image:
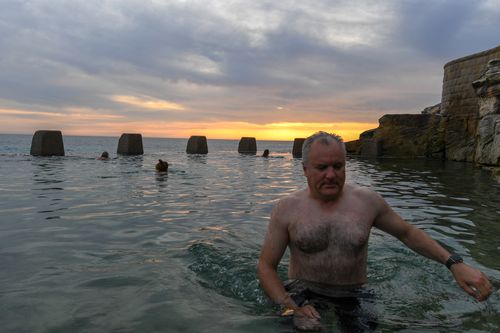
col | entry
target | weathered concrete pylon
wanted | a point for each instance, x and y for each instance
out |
(247, 145)
(47, 143)
(130, 144)
(197, 145)
(297, 147)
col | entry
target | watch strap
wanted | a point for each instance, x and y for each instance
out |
(453, 259)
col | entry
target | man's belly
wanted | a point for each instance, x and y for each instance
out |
(325, 270)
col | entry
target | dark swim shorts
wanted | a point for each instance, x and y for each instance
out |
(354, 306)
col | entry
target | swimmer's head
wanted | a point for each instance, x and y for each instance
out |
(162, 166)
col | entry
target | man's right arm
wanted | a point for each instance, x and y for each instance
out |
(470, 279)
(272, 251)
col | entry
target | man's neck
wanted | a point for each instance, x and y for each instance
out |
(326, 202)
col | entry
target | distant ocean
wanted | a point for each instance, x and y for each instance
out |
(112, 246)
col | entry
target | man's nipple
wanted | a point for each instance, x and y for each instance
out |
(314, 240)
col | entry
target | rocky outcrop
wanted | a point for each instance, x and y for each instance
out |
(460, 104)
(402, 135)
(465, 126)
(435, 109)
(353, 147)
(410, 135)
(370, 145)
(488, 133)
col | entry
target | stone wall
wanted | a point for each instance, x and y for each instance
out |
(487, 89)
(465, 126)
(460, 104)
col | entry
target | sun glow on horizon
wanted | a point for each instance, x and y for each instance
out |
(286, 131)
(85, 122)
(228, 130)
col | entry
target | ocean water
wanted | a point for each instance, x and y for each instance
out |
(112, 246)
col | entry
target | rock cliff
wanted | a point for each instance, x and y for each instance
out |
(465, 126)
(488, 133)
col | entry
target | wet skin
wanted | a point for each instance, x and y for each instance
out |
(327, 227)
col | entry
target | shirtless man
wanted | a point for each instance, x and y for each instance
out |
(327, 226)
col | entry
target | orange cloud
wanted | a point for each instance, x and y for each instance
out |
(147, 103)
(83, 121)
(14, 112)
(89, 114)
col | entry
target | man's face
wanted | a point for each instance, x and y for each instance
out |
(325, 170)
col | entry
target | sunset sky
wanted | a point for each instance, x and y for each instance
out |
(225, 69)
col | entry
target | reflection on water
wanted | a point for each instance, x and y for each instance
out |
(48, 181)
(89, 245)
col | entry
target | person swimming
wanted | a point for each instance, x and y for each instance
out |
(162, 166)
(104, 156)
(266, 153)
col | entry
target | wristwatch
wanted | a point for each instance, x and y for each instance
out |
(453, 259)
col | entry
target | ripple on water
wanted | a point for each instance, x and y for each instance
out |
(88, 245)
(230, 273)
(115, 282)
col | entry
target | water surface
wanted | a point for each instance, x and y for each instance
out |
(101, 246)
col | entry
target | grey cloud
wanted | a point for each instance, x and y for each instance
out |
(435, 28)
(75, 53)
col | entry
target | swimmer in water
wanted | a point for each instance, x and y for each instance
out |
(266, 153)
(104, 156)
(161, 166)
(326, 227)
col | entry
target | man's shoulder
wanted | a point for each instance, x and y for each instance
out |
(292, 200)
(365, 197)
(361, 192)
(286, 208)
(294, 196)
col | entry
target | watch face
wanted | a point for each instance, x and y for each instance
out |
(454, 259)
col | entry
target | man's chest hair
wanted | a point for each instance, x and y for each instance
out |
(337, 231)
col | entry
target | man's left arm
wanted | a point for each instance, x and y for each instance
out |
(472, 280)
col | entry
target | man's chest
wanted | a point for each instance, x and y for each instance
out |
(341, 230)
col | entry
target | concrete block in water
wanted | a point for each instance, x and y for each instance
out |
(297, 147)
(47, 143)
(247, 146)
(197, 145)
(130, 144)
